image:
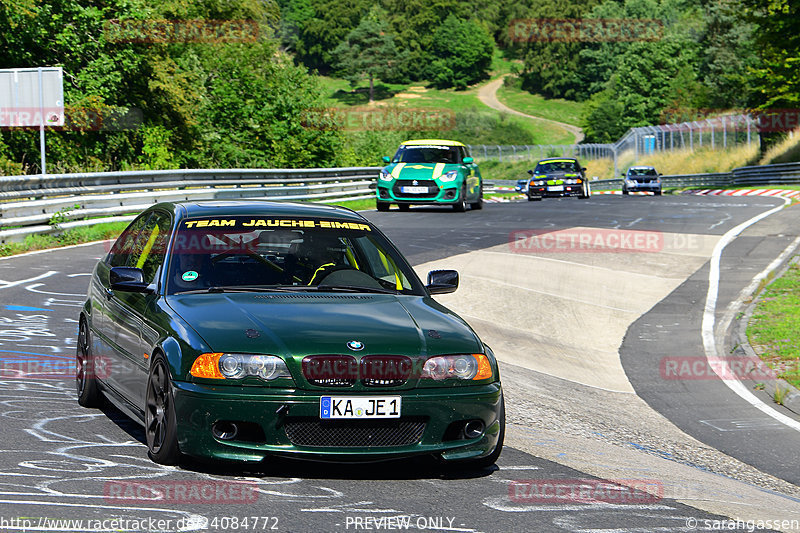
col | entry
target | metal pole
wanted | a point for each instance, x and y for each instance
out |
(41, 121)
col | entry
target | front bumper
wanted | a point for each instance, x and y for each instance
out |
(553, 191)
(444, 195)
(643, 187)
(267, 413)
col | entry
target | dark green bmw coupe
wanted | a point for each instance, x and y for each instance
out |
(243, 329)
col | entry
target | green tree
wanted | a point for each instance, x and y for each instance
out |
(321, 25)
(463, 50)
(368, 51)
(729, 55)
(552, 68)
(776, 78)
(642, 87)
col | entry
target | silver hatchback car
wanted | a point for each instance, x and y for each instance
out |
(641, 179)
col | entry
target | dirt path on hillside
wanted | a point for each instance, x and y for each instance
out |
(488, 95)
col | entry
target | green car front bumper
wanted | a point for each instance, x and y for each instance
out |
(436, 193)
(287, 422)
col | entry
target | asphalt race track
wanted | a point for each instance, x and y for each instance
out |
(695, 453)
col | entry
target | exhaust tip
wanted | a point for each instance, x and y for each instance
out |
(473, 429)
(225, 430)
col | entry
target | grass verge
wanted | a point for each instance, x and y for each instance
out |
(774, 329)
(512, 95)
(97, 232)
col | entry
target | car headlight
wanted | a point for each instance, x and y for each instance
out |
(630, 182)
(467, 366)
(449, 176)
(237, 366)
(570, 182)
(385, 176)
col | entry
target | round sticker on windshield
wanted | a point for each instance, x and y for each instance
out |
(190, 275)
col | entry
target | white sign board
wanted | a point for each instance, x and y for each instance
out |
(31, 97)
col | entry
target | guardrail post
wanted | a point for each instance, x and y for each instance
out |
(500, 153)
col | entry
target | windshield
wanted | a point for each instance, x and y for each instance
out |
(642, 172)
(252, 253)
(557, 166)
(427, 154)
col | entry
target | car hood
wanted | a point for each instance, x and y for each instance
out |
(420, 171)
(300, 324)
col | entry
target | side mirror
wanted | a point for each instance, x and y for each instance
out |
(530, 172)
(583, 169)
(467, 160)
(128, 279)
(442, 281)
(387, 159)
(622, 175)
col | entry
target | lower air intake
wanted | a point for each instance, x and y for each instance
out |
(354, 433)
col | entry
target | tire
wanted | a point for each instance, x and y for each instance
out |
(160, 426)
(461, 205)
(404, 207)
(479, 204)
(382, 206)
(587, 194)
(625, 192)
(657, 193)
(85, 375)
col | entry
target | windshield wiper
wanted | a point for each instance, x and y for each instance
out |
(218, 289)
(355, 288)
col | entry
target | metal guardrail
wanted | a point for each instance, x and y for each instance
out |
(53, 203)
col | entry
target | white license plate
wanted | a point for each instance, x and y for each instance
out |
(359, 407)
(555, 188)
(413, 190)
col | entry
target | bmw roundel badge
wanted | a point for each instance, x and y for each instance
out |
(356, 346)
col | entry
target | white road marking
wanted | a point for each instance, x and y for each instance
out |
(7, 284)
(34, 287)
(709, 318)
